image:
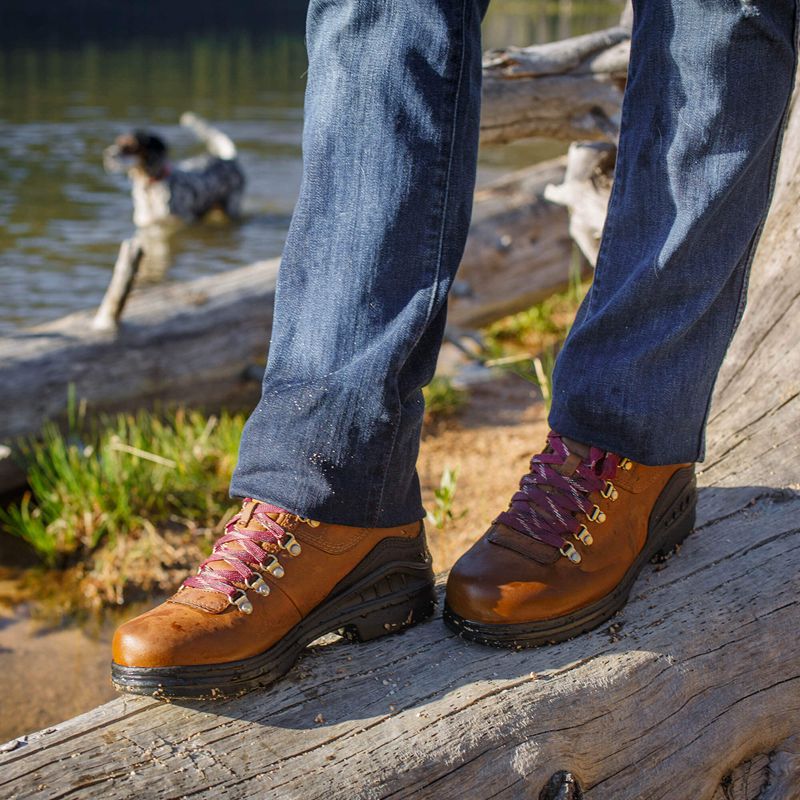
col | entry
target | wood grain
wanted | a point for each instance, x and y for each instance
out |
(568, 90)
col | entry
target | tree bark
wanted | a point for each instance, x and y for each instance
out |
(693, 692)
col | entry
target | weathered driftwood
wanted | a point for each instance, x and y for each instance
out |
(518, 250)
(571, 90)
(119, 289)
(186, 342)
(692, 694)
(585, 193)
(566, 90)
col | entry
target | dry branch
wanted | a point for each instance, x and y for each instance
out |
(564, 90)
(122, 278)
(585, 193)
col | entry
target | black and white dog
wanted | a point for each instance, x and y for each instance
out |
(187, 191)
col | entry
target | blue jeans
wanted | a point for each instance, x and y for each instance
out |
(390, 150)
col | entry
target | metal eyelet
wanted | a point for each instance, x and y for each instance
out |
(291, 545)
(241, 601)
(571, 553)
(596, 515)
(274, 567)
(256, 582)
(312, 523)
(609, 492)
(583, 535)
(626, 464)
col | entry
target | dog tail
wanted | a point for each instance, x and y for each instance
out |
(218, 143)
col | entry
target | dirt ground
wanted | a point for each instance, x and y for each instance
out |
(490, 444)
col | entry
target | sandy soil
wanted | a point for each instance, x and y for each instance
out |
(48, 674)
(490, 444)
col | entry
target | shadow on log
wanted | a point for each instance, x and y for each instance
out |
(692, 694)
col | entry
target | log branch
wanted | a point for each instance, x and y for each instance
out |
(565, 90)
(585, 193)
(119, 289)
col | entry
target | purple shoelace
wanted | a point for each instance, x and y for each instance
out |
(246, 558)
(547, 503)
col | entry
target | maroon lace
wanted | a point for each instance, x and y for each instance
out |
(243, 561)
(547, 503)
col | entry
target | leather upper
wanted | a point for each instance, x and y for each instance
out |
(508, 577)
(201, 627)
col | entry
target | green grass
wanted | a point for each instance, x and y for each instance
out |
(527, 343)
(443, 498)
(442, 399)
(120, 476)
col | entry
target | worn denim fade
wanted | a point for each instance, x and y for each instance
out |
(705, 106)
(389, 158)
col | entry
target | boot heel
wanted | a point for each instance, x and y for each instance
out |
(394, 612)
(678, 521)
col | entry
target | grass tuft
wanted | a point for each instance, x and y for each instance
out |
(125, 501)
(443, 498)
(92, 485)
(443, 399)
(528, 343)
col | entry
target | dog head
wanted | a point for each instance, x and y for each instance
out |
(137, 153)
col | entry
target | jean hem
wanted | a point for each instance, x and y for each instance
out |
(626, 449)
(321, 512)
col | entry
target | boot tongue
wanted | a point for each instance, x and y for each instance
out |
(248, 510)
(576, 447)
(578, 453)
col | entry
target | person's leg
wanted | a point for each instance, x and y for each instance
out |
(704, 111)
(708, 91)
(390, 152)
(329, 536)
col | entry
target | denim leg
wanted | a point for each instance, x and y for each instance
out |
(389, 158)
(708, 90)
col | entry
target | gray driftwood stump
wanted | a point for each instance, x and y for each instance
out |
(692, 694)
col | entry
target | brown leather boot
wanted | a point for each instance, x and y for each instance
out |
(564, 556)
(273, 583)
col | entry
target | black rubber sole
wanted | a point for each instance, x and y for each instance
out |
(387, 600)
(671, 521)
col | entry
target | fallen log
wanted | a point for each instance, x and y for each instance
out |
(518, 250)
(184, 343)
(569, 90)
(691, 695)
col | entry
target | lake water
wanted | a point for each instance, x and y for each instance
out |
(65, 94)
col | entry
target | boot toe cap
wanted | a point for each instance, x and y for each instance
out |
(472, 593)
(138, 643)
(493, 585)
